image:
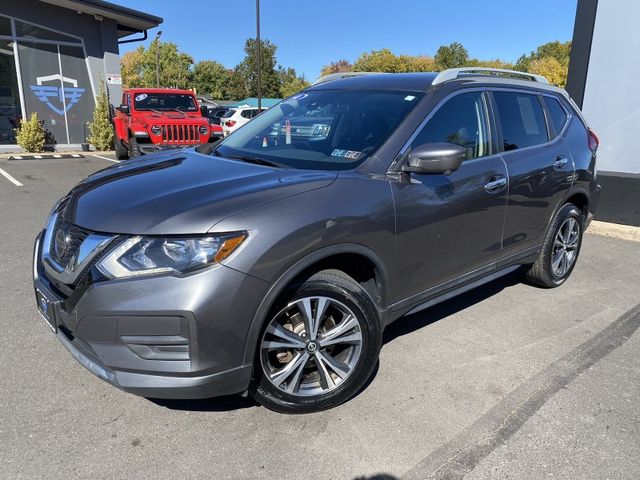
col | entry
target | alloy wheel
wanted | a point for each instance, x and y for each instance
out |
(311, 346)
(565, 247)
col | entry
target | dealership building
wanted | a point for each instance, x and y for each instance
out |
(53, 54)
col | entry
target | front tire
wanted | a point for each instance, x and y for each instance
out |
(134, 148)
(560, 249)
(318, 347)
(122, 153)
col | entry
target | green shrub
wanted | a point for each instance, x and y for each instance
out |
(31, 134)
(100, 128)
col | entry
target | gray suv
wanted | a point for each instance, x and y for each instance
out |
(271, 262)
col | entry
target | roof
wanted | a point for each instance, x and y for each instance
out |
(157, 90)
(253, 102)
(129, 20)
(416, 82)
(423, 81)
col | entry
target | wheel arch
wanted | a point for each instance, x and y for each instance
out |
(353, 259)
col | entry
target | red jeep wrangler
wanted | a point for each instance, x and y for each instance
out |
(152, 119)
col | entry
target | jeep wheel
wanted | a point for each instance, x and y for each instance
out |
(560, 250)
(134, 148)
(122, 153)
(318, 347)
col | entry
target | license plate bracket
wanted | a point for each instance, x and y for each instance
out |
(47, 310)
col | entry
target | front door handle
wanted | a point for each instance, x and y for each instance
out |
(560, 162)
(495, 184)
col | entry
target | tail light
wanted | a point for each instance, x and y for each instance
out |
(230, 123)
(594, 141)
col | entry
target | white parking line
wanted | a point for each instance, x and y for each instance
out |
(10, 178)
(105, 158)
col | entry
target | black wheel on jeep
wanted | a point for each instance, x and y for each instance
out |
(319, 345)
(134, 148)
(560, 249)
(122, 152)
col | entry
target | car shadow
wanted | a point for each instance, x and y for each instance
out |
(411, 323)
(217, 404)
(404, 326)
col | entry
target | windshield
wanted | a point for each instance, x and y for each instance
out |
(229, 113)
(165, 102)
(327, 129)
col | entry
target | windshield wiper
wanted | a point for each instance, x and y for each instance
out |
(248, 159)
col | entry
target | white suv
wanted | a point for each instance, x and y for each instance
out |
(236, 117)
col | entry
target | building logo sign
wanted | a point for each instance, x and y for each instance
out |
(59, 98)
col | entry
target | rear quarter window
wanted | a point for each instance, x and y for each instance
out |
(521, 119)
(558, 114)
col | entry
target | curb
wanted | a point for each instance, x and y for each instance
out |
(45, 156)
(614, 230)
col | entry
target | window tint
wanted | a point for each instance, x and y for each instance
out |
(247, 113)
(557, 113)
(229, 113)
(521, 119)
(461, 121)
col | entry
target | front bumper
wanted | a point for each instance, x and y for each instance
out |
(110, 326)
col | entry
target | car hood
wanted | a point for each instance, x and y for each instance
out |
(169, 117)
(179, 192)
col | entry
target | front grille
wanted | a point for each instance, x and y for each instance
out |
(180, 134)
(65, 242)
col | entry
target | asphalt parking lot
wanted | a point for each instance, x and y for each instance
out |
(506, 381)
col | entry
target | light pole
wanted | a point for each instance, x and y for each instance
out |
(158, 58)
(258, 45)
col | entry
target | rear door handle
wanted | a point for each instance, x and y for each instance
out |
(560, 162)
(495, 184)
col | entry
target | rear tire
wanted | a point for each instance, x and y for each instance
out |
(122, 153)
(560, 250)
(298, 371)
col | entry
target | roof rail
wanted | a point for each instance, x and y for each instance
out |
(453, 73)
(338, 76)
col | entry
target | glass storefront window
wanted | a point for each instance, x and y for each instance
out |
(5, 26)
(9, 93)
(26, 30)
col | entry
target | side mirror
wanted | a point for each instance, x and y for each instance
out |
(433, 158)
(204, 110)
(124, 109)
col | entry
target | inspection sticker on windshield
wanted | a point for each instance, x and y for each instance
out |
(141, 97)
(409, 98)
(351, 154)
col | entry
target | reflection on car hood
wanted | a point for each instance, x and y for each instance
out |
(179, 192)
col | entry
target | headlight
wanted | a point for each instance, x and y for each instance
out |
(156, 130)
(149, 255)
(204, 130)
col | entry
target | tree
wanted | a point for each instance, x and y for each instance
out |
(421, 63)
(100, 127)
(30, 135)
(558, 50)
(139, 66)
(290, 82)
(451, 56)
(340, 66)
(248, 69)
(377, 61)
(497, 63)
(550, 68)
(210, 78)
(131, 68)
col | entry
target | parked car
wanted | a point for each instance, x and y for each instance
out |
(216, 113)
(153, 119)
(273, 265)
(235, 117)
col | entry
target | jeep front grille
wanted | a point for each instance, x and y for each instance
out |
(180, 134)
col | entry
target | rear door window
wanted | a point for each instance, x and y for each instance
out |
(246, 113)
(557, 113)
(522, 120)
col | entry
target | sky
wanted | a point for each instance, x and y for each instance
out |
(311, 34)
